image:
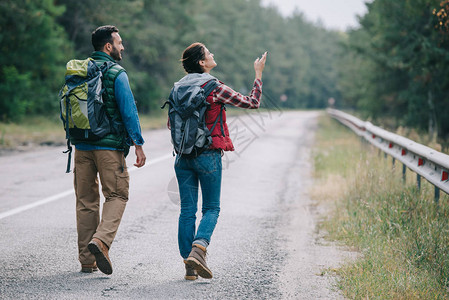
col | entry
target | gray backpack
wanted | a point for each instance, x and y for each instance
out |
(187, 109)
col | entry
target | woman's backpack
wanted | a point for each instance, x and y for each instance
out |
(187, 109)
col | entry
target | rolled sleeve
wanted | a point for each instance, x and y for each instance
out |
(128, 109)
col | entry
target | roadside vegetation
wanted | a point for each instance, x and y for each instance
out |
(402, 235)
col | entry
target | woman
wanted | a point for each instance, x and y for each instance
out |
(206, 168)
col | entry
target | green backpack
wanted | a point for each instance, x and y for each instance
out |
(83, 111)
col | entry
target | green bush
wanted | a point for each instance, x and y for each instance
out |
(16, 88)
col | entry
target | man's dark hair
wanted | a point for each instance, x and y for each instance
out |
(103, 35)
(191, 57)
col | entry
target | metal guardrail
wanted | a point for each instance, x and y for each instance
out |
(424, 161)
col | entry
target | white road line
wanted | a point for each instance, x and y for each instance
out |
(35, 204)
(152, 162)
(69, 192)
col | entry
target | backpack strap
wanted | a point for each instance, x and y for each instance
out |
(210, 86)
(69, 147)
(220, 117)
(69, 151)
(106, 66)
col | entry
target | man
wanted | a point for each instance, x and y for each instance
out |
(106, 157)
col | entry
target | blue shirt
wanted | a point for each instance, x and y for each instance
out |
(128, 111)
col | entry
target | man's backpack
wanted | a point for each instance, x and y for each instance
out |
(83, 111)
(187, 110)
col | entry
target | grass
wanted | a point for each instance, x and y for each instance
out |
(401, 234)
(31, 131)
(39, 130)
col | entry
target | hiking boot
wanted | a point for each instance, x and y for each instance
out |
(89, 268)
(100, 250)
(191, 273)
(197, 260)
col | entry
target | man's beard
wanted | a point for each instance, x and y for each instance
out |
(115, 54)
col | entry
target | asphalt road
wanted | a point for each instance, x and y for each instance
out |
(266, 244)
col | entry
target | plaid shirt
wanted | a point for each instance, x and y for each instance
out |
(224, 94)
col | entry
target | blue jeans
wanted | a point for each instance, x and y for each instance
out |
(205, 170)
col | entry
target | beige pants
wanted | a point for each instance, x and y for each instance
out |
(111, 167)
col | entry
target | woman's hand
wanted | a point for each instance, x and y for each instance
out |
(259, 65)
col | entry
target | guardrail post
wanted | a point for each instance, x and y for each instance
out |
(437, 194)
(404, 169)
(418, 182)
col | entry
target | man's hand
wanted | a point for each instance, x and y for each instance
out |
(259, 65)
(140, 160)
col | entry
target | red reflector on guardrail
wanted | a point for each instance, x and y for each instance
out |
(420, 162)
(444, 176)
(404, 152)
(374, 136)
(390, 145)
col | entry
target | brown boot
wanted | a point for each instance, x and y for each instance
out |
(100, 250)
(191, 273)
(89, 268)
(197, 260)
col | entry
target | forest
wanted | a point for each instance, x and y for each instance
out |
(394, 65)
